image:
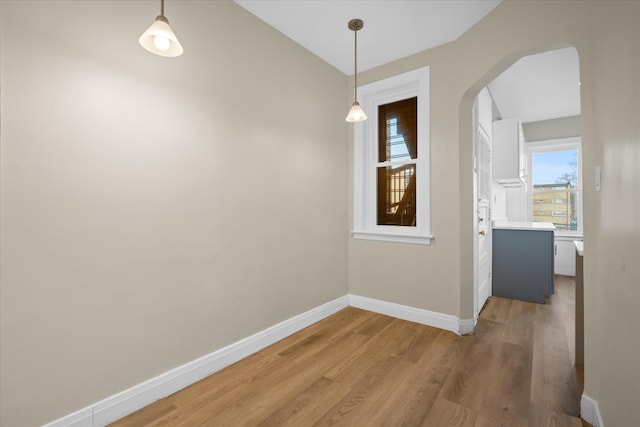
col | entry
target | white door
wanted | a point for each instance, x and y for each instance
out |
(483, 218)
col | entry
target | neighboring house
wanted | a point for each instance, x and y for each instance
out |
(155, 210)
(555, 205)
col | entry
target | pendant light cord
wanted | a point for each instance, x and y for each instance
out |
(355, 25)
(355, 66)
(162, 7)
(356, 114)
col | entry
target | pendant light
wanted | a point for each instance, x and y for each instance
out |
(355, 114)
(159, 38)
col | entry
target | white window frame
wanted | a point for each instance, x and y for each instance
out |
(396, 88)
(572, 143)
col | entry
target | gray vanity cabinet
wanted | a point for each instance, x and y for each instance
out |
(523, 264)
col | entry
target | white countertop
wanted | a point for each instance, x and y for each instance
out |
(517, 225)
(579, 247)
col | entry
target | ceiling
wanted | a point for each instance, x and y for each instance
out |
(392, 29)
(537, 87)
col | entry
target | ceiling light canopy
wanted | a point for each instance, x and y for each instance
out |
(159, 38)
(356, 114)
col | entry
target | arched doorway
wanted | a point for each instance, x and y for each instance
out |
(541, 92)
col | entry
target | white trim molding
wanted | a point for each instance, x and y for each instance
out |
(590, 412)
(466, 326)
(403, 86)
(141, 395)
(128, 401)
(392, 237)
(412, 314)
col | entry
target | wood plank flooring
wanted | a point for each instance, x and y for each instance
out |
(358, 368)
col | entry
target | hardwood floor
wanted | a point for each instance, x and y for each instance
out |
(357, 368)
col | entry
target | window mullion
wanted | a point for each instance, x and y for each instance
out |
(397, 163)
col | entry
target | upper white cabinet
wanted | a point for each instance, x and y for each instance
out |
(508, 153)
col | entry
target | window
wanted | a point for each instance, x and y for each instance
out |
(391, 159)
(556, 183)
(397, 154)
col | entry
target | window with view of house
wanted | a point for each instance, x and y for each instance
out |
(555, 184)
(391, 160)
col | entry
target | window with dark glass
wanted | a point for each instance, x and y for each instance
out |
(397, 161)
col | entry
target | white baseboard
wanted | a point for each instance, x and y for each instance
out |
(466, 326)
(141, 395)
(137, 397)
(412, 314)
(81, 418)
(590, 412)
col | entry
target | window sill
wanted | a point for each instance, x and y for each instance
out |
(575, 236)
(391, 237)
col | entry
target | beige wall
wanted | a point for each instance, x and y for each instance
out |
(612, 253)
(129, 246)
(155, 210)
(440, 277)
(417, 275)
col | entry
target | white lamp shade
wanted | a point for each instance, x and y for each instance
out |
(356, 114)
(159, 39)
